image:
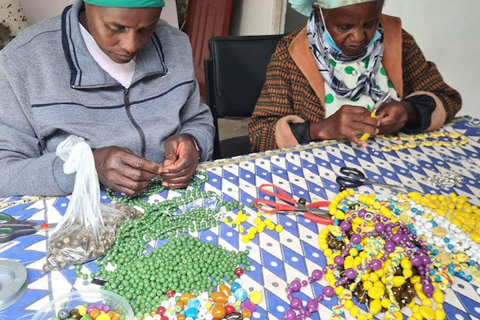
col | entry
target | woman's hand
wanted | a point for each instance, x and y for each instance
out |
(181, 160)
(344, 124)
(121, 170)
(394, 115)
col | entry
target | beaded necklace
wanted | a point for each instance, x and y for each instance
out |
(433, 139)
(372, 256)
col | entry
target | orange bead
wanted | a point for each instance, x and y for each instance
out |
(225, 290)
(94, 314)
(246, 314)
(113, 315)
(185, 297)
(180, 316)
(218, 311)
(219, 297)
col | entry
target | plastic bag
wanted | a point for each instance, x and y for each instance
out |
(88, 227)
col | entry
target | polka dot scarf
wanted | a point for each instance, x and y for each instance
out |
(322, 51)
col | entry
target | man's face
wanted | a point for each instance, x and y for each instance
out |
(121, 32)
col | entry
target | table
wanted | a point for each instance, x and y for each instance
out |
(277, 258)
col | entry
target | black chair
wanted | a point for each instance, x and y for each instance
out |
(234, 76)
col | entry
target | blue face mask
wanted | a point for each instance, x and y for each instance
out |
(327, 38)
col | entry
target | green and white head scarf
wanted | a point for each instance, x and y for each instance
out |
(128, 3)
(305, 6)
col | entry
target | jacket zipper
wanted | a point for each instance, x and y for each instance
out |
(135, 124)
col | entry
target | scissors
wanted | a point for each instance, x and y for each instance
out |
(11, 228)
(382, 100)
(354, 178)
(310, 211)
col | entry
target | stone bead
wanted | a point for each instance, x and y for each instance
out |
(63, 314)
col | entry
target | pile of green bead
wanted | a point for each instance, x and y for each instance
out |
(183, 264)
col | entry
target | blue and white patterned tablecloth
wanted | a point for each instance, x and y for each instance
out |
(277, 258)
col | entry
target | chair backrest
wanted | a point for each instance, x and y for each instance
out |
(235, 73)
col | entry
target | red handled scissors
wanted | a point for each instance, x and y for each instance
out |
(310, 211)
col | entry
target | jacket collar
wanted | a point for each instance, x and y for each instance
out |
(85, 71)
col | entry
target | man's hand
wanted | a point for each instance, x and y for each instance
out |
(121, 170)
(394, 115)
(344, 124)
(181, 160)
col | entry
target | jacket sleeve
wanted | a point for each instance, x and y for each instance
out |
(275, 102)
(197, 120)
(23, 167)
(421, 77)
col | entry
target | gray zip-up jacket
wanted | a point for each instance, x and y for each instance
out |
(51, 87)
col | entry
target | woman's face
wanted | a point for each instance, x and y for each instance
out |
(353, 27)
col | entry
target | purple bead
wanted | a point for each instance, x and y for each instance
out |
(310, 280)
(289, 296)
(338, 260)
(106, 309)
(356, 239)
(295, 285)
(328, 291)
(289, 290)
(345, 226)
(290, 315)
(376, 264)
(383, 258)
(296, 303)
(428, 289)
(312, 305)
(248, 305)
(396, 238)
(320, 297)
(349, 246)
(304, 283)
(350, 273)
(90, 308)
(317, 274)
(426, 260)
(362, 213)
(344, 280)
(389, 246)
(416, 261)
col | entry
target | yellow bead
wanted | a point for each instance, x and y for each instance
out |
(362, 317)
(374, 277)
(427, 303)
(375, 306)
(440, 314)
(376, 292)
(279, 228)
(386, 303)
(354, 312)
(438, 296)
(427, 313)
(327, 253)
(417, 316)
(245, 239)
(340, 215)
(351, 192)
(348, 304)
(398, 315)
(415, 279)
(82, 310)
(255, 297)
(407, 273)
(398, 281)
(338, 290)
(103, 316)
(353, 252)
(367, 285)
(406, 264)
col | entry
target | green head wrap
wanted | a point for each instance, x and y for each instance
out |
(305, 6)
(128, 3)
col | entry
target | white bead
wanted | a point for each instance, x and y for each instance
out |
(148, 318)
(231, 299)
(157, 317)
(165, 304)
(209, 316)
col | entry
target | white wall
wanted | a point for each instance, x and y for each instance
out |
(39, 10)
(448, 33)
(254, 17)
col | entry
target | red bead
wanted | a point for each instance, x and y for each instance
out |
(229, 309)
(238, 271)
(170, 293)
(164, 318)
(161, 311)
(44, 226)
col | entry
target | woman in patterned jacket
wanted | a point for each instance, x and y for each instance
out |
(323, 79)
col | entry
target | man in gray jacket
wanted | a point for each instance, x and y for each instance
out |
(108, 71)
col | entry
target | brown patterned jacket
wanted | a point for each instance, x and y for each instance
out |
(294, 88)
